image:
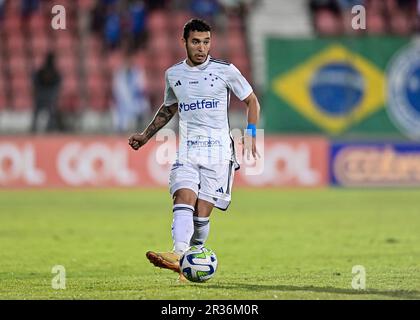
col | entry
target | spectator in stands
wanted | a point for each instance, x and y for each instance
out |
(2, 2)
(112, 27)
(28, 7)
(132, 105)
(326, 17)
(158, 4)
(98, 14)
(206, 9)
(137, 25)
(46, 87)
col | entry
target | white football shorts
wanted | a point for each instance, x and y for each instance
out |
(211, 182)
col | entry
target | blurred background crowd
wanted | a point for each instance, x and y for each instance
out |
(105, 72)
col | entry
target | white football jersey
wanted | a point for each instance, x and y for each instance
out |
(203, 93)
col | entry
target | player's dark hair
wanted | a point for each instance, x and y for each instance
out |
(195, 25)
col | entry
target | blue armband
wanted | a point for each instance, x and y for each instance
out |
(251, 129)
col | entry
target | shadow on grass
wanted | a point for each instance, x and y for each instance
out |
(401, 294)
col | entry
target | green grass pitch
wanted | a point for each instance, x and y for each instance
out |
(271, 244)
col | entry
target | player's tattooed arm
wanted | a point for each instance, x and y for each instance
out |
(161, 118)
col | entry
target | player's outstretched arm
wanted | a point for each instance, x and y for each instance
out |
(253, 118)
(161, 118)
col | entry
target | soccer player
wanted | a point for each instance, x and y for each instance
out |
(199, 88)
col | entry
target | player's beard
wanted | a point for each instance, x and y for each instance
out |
(190, 57)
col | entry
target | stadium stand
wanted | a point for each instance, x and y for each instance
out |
(85, 62)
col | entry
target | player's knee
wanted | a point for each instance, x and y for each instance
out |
(203, 208)
(185, 196)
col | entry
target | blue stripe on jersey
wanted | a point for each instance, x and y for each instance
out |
(177, 63)
(220, 61)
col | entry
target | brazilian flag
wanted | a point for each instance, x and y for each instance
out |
(334, 86)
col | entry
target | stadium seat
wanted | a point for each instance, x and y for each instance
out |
(98, 101)
(162, 62)
(240, 61)
(15, 43)
(400, 24)
(235, 42)
(12, 7)
(20, 82)
(96, 82)
(375, 24)
(22, 102)
(17, 64)
(157, 22)
(40, 44)
(37, 23)
(234, 23)
(64, 42)
(141, 59)
(178, 20)
(3, 92)
(69, 100)
(67, 64)
(93, 63)
(11, 23)
(3, 100)
(94, 44)
(113, 61)
(160, 42)
(327, 23)
(85, 4)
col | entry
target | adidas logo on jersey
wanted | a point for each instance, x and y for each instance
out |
(203, 104)
(178, 83)
(220, 190)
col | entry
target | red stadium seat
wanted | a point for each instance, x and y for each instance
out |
(20, 83)
(157, 22)
(98, 101)
(234, 23)
(163, 62)
(40, 44)
(67, 63)
(160, 43)
(235, 42)
(94, 63)
(375, 24)
(96, 82)
(12, 23)
(94, 44)
(3, 93)
(3, 100)
(13, 7)
(327, 23)
(64, 41)
(17, 64)
(141, 59)
(114, 60)
(69, 100)
(178, 20)
(22, 102)
(15, 43)
(37, 23)
(86, 4)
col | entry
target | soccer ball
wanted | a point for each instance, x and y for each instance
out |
(198, 264)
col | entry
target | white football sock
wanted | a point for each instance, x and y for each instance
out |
(201, 230)
(182, 227)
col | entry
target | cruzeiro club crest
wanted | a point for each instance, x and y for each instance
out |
(404, 91)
